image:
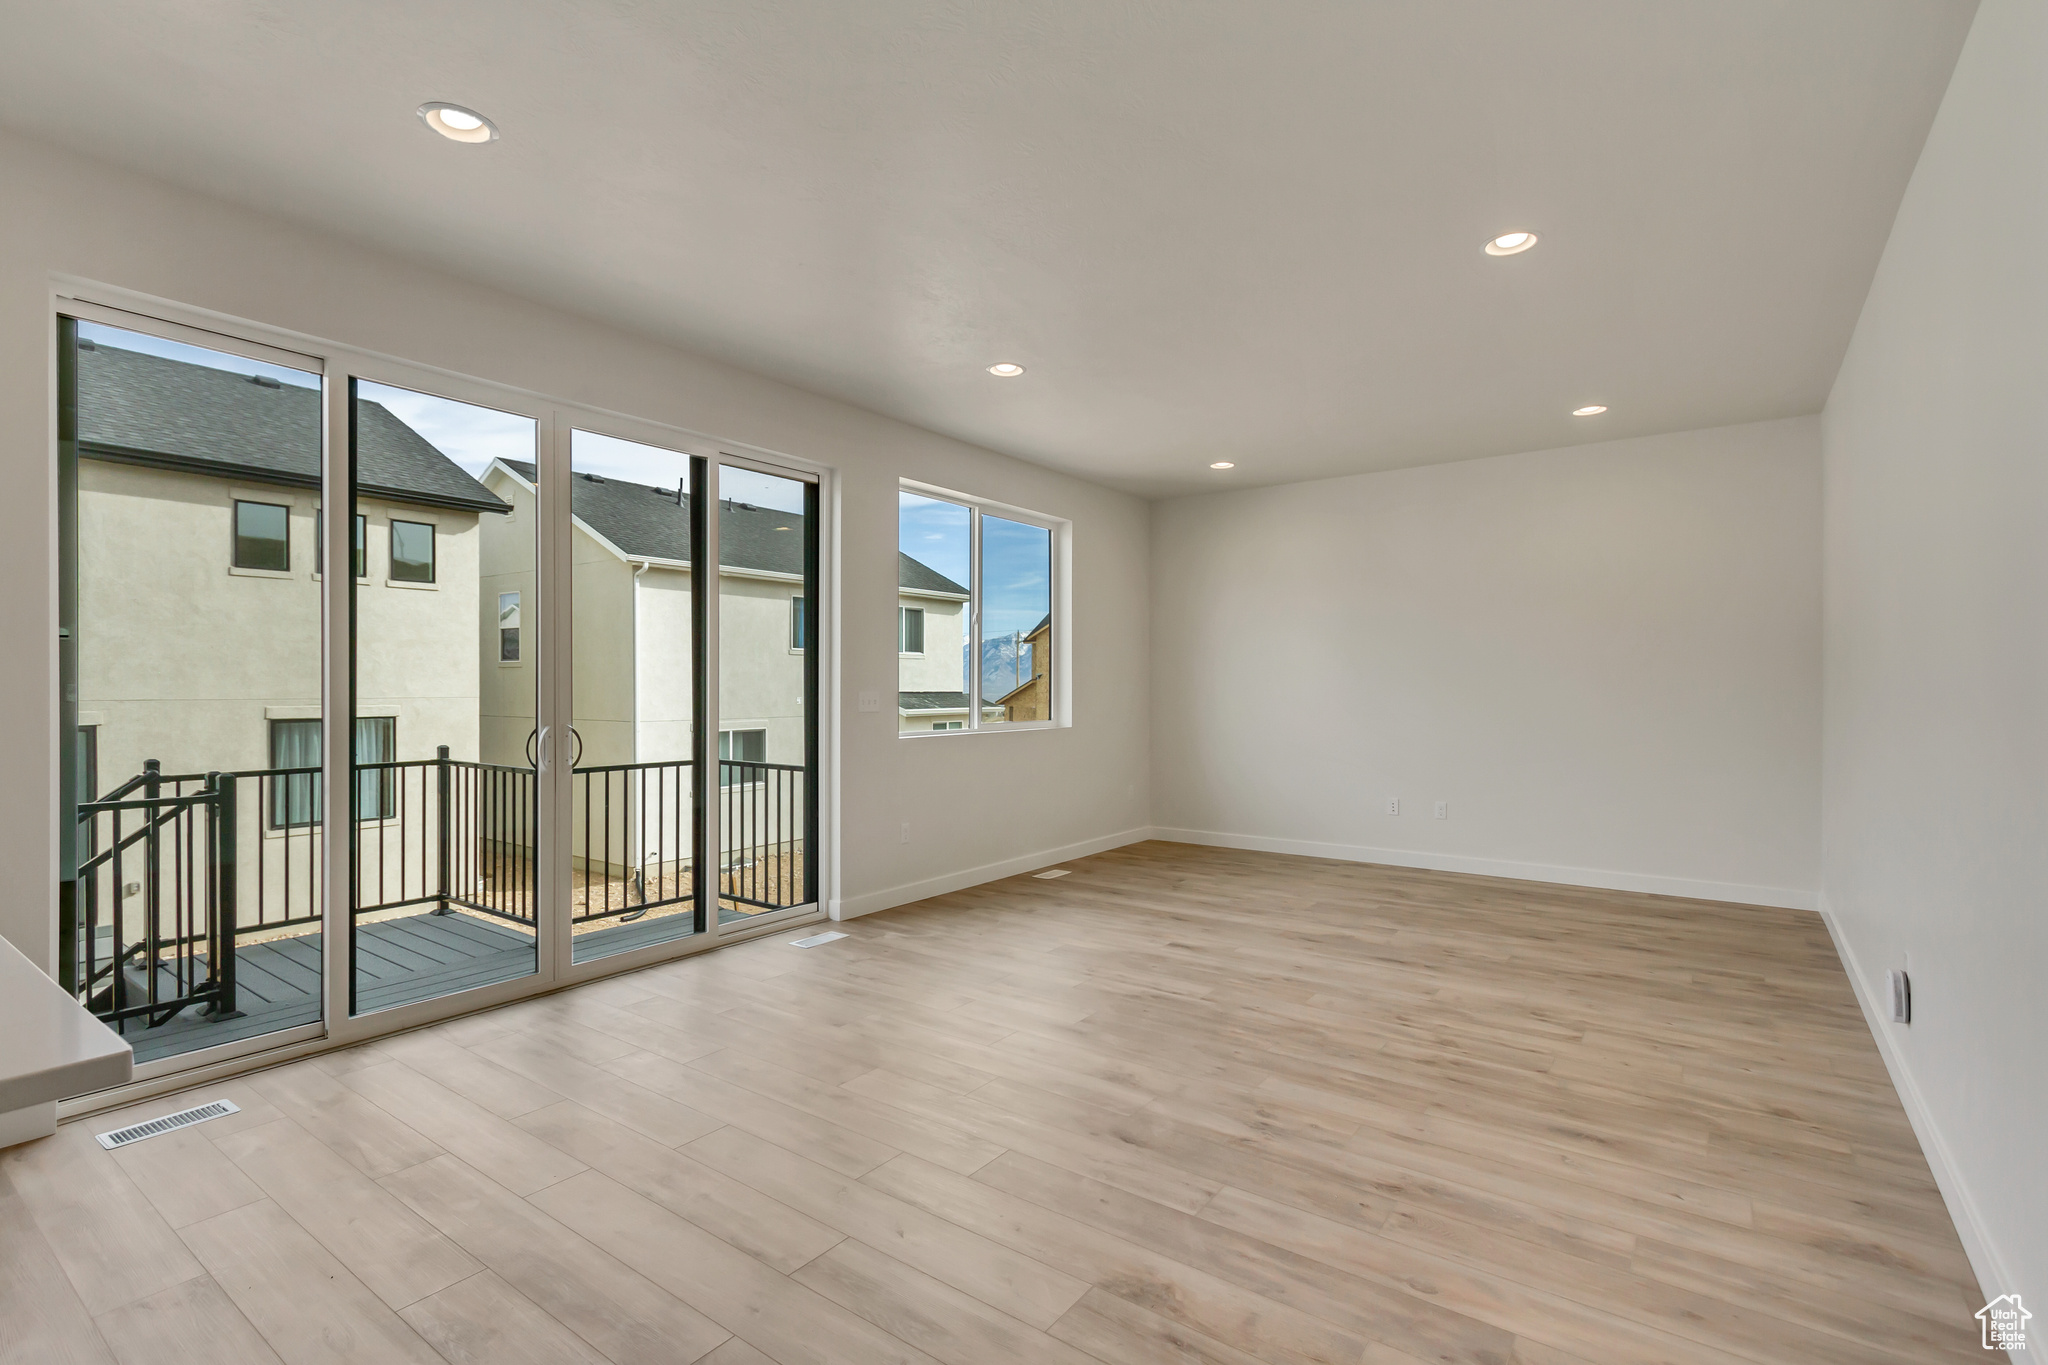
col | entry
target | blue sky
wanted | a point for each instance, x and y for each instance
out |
(466, 433)
(1016, 576)
(1016, 588)
(934, 534)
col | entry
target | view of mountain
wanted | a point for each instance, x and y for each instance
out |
(1005, 665)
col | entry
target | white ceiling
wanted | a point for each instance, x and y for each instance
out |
(1212, 229)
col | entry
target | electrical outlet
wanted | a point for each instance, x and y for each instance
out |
(1393, 805)
(1443, 810)
(906, 832)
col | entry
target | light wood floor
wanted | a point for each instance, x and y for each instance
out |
(1185, 1105)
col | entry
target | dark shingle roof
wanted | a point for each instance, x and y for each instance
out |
(931, 701)
(151, 409)
(646, 521)
(915, 574)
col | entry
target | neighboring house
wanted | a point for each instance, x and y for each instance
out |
(931, 637)
(199, 607)
(1032, 699)
(632, 612)
(631, 560)
(199, 610)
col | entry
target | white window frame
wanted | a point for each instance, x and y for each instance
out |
(901, 612)
(1061, 595)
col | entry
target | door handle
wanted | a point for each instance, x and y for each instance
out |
(537, 750)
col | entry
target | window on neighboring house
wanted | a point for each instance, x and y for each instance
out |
(984, 631)
(263, 536)
(359, 562)
(796, 623)
(295, 785)
(508, 627)
(294, 791)
(412, 551)
(736, 747)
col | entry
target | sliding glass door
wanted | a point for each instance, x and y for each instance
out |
(635, 815)
(189, 901)
(444, 809)
(388, 695)
(767, 692)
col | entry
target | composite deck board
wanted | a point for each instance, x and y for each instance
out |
(617, 938)
(1184, 1105)
(398, 962)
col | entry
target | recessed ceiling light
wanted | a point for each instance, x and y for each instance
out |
(1006, 370)
(456, 123)
(1508, 243)
(1590, 410)
(1223, 464)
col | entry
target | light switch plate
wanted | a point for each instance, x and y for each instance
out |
(871, 701)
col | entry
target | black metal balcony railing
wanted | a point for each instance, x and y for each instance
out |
(766, 804)
(632, 841)
(207, 869)
(163, 929)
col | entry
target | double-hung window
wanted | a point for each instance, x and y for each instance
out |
(978, 625)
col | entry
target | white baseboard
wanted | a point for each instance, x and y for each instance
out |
(1992, 1275)
(891, 897)
(1779, 897)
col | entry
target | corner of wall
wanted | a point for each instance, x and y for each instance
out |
(1984, 1255)
(853, 907)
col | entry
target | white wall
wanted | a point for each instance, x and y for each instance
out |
(976, 806)
(1605, 658)
(1936, 750)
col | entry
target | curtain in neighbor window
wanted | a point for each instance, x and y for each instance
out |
(376, 789)
(295, 791)
(295, 796)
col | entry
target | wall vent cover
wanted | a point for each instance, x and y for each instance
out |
(169, 1123)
